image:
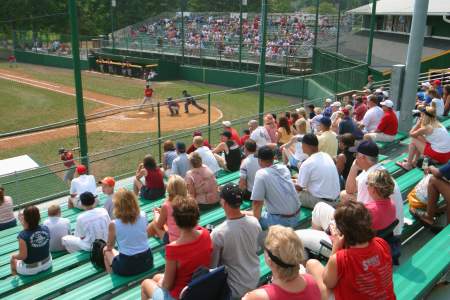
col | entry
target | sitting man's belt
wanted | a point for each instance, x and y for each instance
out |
(37, 264)
(289, 216)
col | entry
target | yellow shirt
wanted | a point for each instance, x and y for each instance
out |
(328, 143)
(284, 136)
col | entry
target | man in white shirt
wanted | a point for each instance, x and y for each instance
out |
(259, 134)
(180, 165)
(318, 178)
(208, 158)
(356, 185)
(249, 167)
(91, 225)
(57, 226)
(274, 188)
(235, 243)
(335, 107)
(373, 115)
(83, 183)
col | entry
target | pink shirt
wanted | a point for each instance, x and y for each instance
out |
(202, 185)
(311, 291)
(172, 228)
(6, 210)
(382, 212)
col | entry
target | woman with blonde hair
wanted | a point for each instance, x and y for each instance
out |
(292, 151)
(129, 230)
(283, 253)
(304, 116)
(163, 224)
(429, 138)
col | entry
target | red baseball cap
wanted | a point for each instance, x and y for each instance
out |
(81, 169)
(108, 181)
(437, 82)
(345, 111)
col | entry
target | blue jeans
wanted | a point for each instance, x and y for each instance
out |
(268, 220)
(7, 225)
(161, 294)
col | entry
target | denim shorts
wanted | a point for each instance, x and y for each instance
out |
(7, 225)
(152, 194)
(125, 265)
(268, 220)
(161, 294)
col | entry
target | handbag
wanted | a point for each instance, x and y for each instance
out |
(97, 253)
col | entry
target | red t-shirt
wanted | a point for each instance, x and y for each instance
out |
(67, 159)
(365, 273)
(388, 123)
(192, 148)
(235, 136)
(382, 212)
(189, 257)
(244, 138)
(148, 92)
(154, 179)
(311, 291)
(360, 111)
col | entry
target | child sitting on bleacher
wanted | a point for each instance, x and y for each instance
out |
(57, 226)
(108, 184)
(7, 219)
(34, 241)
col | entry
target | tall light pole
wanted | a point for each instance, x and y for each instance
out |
(373, 19)
(113, 7)
(262, 60)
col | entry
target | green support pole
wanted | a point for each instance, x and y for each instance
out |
(209, 116)
(338, 26)
(373, 19)
(240, 35)
(262, 60)
(113, 5)
(316, 23)
(182, 31)
(159, 131)
(78, 85)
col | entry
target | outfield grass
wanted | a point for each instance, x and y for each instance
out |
(25, 106)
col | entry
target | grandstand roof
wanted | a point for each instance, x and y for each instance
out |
(403, 7)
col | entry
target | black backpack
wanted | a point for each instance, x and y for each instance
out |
(97, 253)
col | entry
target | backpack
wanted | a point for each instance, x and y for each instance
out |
(97, 253)
(207, 284)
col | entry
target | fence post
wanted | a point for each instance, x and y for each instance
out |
(338, 27)
(240, 35)
(262, 60)
(316, 23)
(373, 19)
(159, 131)
(303, 90)
(209, 116)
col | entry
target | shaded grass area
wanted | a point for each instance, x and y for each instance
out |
(25, 106)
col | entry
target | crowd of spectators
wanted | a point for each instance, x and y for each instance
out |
(322, 158)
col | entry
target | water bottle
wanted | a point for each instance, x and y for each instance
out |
(425, 162)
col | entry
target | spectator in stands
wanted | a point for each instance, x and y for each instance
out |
(91, 225)
(439, 184)
(366, 161)
(234, 134)
(360, 266)
(67, 158)
(327, 110)
(284, 254)
(260, 134)
(244, 137)
(315, 121)
(347, 125)
(154, 187)
(429, 138)
(108, 184)
(236, 243)
(446, 98)
(388, 126)
(7, 219)
(312, 111)
(335, 108)
(248, 169)
(34, 242)
(303, 115)
(83, 183)
(328, 142)
(438, 87)
(284, 133)
(201, 182)
(163, 225)
(189, 252)
(208, 158)
(437, 102)
(270, 123)
(231, 150)
(129, 230)
(360, 109)
(318, 179)
(370, 83)
(168, 156)
(274, 188)
(57, 226)
(192, 147)
(292, 151)
(180, 165)
(373, 115)
(345, 158)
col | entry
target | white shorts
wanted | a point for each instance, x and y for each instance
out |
(380, 137)
(22, 268)
(73, 244)
(147, 99)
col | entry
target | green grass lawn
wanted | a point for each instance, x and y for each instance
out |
(25, 106)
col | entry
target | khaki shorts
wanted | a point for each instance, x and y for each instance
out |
(380, 137)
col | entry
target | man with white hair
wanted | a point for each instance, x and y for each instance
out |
(327, 110)
(335, 107)
(373, 115)
(234, 134)
(388, 126)
(260, 134)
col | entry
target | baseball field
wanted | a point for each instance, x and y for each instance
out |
(35, 96)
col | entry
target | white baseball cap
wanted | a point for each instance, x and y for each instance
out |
(226, 123)
(385, 94)
(425, 84)
(378, 91)
(336, 104)
(328, 100)
(387, 103)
